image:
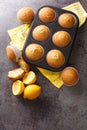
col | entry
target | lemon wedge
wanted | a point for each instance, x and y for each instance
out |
(32, 91)
(29, 78)
(18, 87)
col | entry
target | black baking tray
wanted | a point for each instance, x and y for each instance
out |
(54, 27)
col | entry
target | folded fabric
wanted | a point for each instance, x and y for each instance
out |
(53, 77)
(18, 35)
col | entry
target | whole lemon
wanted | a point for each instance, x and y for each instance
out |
(32, 91)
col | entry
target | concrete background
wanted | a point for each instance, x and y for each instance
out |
(55, 109)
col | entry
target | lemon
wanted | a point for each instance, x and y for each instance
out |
(18, 87)
(32, 91)
(29, 78)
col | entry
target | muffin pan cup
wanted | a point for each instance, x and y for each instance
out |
(48, 44)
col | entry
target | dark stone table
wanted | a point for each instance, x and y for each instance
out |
(55, 109)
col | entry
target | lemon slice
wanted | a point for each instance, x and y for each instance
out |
(18, 87)
(32, 91)
(29, 78)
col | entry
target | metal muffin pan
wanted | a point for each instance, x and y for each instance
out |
(48, 44)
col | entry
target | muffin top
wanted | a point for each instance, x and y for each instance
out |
(25, 15)
(66, 20)
(34, 52)
(55, 58)
(41, 33)
(61, 38)
(70, 76)
(47, 14)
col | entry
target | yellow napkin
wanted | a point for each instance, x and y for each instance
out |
(18, 36)
(53, 77)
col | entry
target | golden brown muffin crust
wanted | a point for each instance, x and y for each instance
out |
(25, 15)
(10, 54)
(61, 38)
(55, 58)
(66, 20)
(41, 33)
(70, 76)
(47, 14)
(34, 52)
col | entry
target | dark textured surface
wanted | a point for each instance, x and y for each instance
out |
(63, 109)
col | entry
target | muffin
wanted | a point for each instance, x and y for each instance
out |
(66, 20)
(61, 38)
(25, 15)
(41, 33)
(34, 52)
(55, 58)
(24, 65)
(47, 14)
(70, 76)
(13, 53)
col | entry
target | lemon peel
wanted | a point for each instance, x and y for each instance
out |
(32, 91)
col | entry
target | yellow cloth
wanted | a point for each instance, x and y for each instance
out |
(18, 36)
(53, 77)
